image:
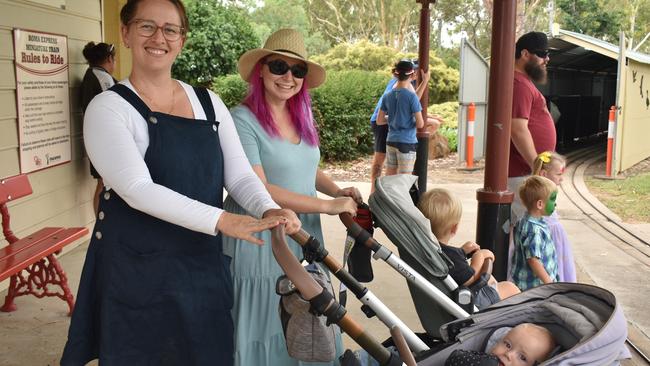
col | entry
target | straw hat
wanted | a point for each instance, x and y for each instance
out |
(285, 42)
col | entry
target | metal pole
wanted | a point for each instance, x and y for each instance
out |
(494, 199)
(422, 154)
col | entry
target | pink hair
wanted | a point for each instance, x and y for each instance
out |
(299, 109)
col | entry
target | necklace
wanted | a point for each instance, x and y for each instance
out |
(150, 101)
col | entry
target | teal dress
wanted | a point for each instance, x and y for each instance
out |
(258, 332)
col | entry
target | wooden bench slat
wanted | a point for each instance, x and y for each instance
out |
(29, 240)
(31, 254)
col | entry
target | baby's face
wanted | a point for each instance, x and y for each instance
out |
(520, 347)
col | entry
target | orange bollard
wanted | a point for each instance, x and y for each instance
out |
(610, 140)
(471, 112)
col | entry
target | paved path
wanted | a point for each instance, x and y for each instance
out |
(36, 333)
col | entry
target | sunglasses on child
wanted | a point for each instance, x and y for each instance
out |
(280, 67)
(540, 53)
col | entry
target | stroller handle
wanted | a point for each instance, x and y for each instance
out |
(309, 289)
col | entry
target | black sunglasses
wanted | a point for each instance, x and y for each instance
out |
(280, 67)
(540, 53)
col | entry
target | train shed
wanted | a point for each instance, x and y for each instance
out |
(586, 76)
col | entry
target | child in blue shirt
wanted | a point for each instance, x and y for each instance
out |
(404, 117)
(534, 261)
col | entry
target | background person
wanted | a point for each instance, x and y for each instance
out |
(533, 130)
(401, 111)
(551, 165)
(276, 128)
(155, 287)
(101, 64)
(381, 132)
(534, 261)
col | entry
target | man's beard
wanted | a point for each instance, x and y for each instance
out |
(536, 72)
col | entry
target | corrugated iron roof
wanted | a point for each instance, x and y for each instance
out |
(606, 48)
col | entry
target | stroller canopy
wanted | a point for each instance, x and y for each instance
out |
(392, 206)
(585, 321)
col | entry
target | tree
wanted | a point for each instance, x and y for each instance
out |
(637, 24)
(218, 35)
(277, 14)
(393, 23)
(597, 18)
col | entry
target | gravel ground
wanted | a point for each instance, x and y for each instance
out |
(442, 170)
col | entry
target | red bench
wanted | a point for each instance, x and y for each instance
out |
(31, 261)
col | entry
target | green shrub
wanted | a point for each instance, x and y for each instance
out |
(363, 55)
(448, 111)
(231, 88)
(451, 134)
(342, 109)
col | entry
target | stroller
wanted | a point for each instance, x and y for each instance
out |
(588, 324)
(586, 320)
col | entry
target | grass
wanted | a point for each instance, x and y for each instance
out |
(629, 198)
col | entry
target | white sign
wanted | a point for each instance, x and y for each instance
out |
(43, 99)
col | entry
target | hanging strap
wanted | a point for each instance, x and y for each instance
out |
(137, 103)
(133, 99)
(347, 248)
(206, 103)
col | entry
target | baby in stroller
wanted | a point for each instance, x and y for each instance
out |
(444, 211)
(527, 344)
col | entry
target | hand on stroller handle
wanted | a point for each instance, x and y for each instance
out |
(310, 289)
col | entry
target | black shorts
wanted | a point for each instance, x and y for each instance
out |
(381, 133)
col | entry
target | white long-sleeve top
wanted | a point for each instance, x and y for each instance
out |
(116, 138)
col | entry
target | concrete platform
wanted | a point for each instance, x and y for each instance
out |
(36, 332)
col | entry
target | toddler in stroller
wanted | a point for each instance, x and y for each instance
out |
(444, 211)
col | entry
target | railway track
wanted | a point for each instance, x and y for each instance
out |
(576, 191)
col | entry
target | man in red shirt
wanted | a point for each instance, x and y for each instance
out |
(532, 130)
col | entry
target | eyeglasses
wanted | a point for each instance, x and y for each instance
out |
(147, 28)
(540, 53)
(111, 49)
(280, 67)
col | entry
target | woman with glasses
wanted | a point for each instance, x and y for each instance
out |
(156, 287)
(276, 128)
(101, 64)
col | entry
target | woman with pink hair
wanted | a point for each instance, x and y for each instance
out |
(277, 130)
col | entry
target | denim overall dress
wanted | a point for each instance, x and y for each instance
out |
(152, 292)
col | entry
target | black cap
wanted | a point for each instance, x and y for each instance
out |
(533, 41)
(404, 67)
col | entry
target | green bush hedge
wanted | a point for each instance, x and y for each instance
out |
(363, 55)
(448, 111)
(231, 88)
(342, 108)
